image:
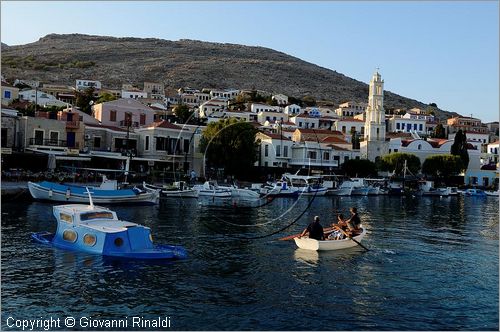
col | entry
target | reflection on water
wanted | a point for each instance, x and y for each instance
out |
(428, 258)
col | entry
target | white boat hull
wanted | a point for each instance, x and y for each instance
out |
(340, 191)
(179, 193)
(492, 193)
(41, 193)
(312, 244)
(313, 192)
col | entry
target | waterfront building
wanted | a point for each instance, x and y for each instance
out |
(9, 93)
(347, 125)
(10, 130)
(102, 139)
(374, 144)
(275, 150)
(42, 134)
(407, 123)
(492, 150)
(123, 113)
(85, 84)
(133, 93)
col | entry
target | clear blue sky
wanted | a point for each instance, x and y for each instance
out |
(442, 52)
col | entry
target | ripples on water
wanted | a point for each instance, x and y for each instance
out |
(433, 265)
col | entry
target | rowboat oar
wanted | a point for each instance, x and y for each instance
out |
(291, 237)
(350, 237)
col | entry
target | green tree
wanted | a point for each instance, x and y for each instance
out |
(183, 113)
(359, 168)
(439, 132)
(296, 101)
(443, 166)
(104, 97)
(85, 100)
(395, 162)
(309, 101)
(459, 148)
(230, 144)
(354, 139)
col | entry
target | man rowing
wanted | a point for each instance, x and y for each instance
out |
(315, 230)
(351, 226)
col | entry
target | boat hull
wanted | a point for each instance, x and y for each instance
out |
(313, 192)
(73, 194)
(327, 245)
(179, 194)
(158, 252)
(340, 191)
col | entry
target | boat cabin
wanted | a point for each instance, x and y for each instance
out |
(98, 230)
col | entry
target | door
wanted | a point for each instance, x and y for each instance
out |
(39, 137)
(70, 140)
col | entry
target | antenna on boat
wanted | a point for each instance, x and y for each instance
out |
(90, 197)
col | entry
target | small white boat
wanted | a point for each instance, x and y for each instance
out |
(427, 189)
(492, 193)
(341, 191)
(178, 190)
(305, 184)
(312, 244)
(212, 190)
(241, 192)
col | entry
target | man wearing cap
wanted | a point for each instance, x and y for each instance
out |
(315, 230)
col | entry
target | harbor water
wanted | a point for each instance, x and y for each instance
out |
(432, 265)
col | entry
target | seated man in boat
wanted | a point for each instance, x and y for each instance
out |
(315, 230)
(354, 222)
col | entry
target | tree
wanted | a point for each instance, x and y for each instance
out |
(354, 139)
(309, 101)
(230, 144)
(183, 113)
(439, 132)
(459, 148)
(359, 168)
(104, 97)
(85, 99)
(395, 162)
(444, 165)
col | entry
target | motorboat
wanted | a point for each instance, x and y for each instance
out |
(341, 191)
(106, 193)
(305, 184)
(211, 189)
(475, 192)
(97, 230)
(492, 193)
(358, 187)
(281, 188)
(241, 192)
(178, 189)
(453, 191)
(325, 245)
(427, 189)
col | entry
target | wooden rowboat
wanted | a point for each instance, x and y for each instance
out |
(312, 244)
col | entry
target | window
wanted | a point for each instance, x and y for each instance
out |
(396, 150)
(414, 126)
(419, 147)
(266, 150)
(96, 215)
(266, 164)
(420, 127)
(54, 137)
(398, 126)
(312, 125)
(89, 240)
(97, 141)
(326, 155)
(403, 125)
(142, 119)
(343, 129)
(6, 94)
(311, 155)
(285, 151)
(66, 218)
(346, 159)
(186, 146)
(278, 150)
(39, 137)
(70, 236)
(112, 116)
(146, 143)
(118, 242)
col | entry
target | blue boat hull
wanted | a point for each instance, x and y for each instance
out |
(158, 252)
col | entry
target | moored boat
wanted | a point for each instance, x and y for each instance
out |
(178, 190)
(97, 230)
(492, 193)
(105, 194)
(475, 192)
(305, 184)
(325, 245)
(212, 190)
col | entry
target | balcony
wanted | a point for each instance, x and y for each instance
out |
(48, 142)
(72, 124)
(313, 162)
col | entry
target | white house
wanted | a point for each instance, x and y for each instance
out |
(398, 123)
(134, 94)
(292, 110)
(226, 94)
(492, 151)
(305, 120)
(347, 124)
(475, 138)
(256, 108)
(275, 150)
(211, 107)
(281, 99)
(41, 98)
(84, 84)
(271, 116)
(351, 108)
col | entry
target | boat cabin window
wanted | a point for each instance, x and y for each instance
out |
(69, 235)
(66, 218)
(89, 239)
(96, 215)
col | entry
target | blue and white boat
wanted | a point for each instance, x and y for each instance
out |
(97, 230)
(475, 192)
(106, 193)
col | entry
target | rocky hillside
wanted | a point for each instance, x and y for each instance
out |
(113, 61)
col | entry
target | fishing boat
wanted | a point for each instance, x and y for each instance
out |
(178, 189)
(241, 192)
(106, 193)
(280, 188)
(325, 245)
(357, 186)
(475, 193)
(427, 189)
(97, 230)
(211, 189)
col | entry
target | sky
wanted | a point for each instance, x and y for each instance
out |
(443, 52)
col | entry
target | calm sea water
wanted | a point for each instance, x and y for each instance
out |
(433, 265)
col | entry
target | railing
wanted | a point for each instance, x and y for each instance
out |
(48, 142)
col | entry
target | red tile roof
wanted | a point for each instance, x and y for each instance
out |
(336, 147)
(318, 131)
(276, 136)
(164, 124)
(333, 139)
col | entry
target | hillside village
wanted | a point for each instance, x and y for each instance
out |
(138, 129)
